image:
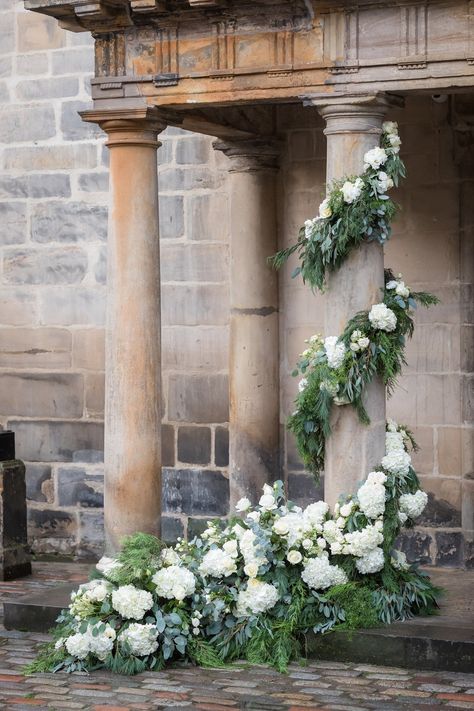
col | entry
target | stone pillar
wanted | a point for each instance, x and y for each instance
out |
(254, 359)
(353, 126)
(132, 487)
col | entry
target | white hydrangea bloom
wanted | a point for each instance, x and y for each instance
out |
(399, 560)
(375, 158)
(315, 513)
(257, 598)
(351, 191)
(170, 557)
(335, 351)
(393, 441)
(78, 645)
(140, 639)
(372, 562)
(360, 543)
(102, 644)
(413, 505)
(397, 461)
(402, 517)
(319, 574)
(346, 509)
(174, 582)
(383, 318)
(324, 209)
(217, 563)
(391, 425)
(130, 602)
(371, 497)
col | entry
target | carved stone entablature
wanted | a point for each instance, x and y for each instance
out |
(178, 53)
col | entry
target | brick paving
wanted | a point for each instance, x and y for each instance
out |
(333, 686)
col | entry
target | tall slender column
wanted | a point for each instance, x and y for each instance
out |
(254, 360)
(353, 126)
(132, 488)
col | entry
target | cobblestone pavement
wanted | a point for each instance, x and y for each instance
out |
(318, 685)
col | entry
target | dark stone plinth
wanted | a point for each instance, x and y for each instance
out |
(7, 446)
(37, 612)
(15, 561)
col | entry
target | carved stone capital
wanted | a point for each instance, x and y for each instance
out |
(138, 127)
(353, 112)
(251, 155)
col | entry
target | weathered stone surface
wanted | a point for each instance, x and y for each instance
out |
(39, 486)
(49, 441)
(67, 265)
(16, 123)
(62, 157)
(171, 529)
(195, 527)
(416, 545)
(5, 66)
(198, 398)
(196, 347)
(97, 182)
(79, 487)
(7, 33)
(194, 262)
(51, 523)
(30, 64)
(38, 32)
(95, 394)
(12, 222)
(194, 445)
(195, 491)
(195, 304)
(192, 150)
(35, 348)
(40, 89)
(72, 126)
(88, 348)
(73, 61)
(35, 186)
(444, 502)
(68, 222)
(18, 306)
(82, 306)
(14, 551)
(88, 456)
(42, 395)
(168, 457)
(221, 447)
(91, 535)
(198, 177)
(171, 216)
(303, 489)
(208, 217)
(100, 266)
(449, 548)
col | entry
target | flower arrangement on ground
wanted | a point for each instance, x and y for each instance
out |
(253, 587)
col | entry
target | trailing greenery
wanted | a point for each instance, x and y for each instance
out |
(345, 221)
(325, 385)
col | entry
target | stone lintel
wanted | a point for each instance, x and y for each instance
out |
(251, 155)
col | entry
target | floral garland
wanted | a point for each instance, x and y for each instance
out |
(336, 370)
(253, 587)
(357, 209)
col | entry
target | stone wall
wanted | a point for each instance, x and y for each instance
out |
(53, 197)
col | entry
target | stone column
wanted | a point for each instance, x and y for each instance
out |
(132, 488)
(254, 359)
(353, 126)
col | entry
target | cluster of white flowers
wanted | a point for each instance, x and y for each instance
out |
(375, 158)
(319, 574)
(383, 318)
(372, 562)
(252, 555)
(399, 286)
(106, 565)
(351, 190)
(384, 182)
(413, 505)
(397, 461)
(267, 500)
(169, 557)
(302, 384)
(390, 129)
(258, 597)
(335, 351)
(140, 639)
(85, 599)
(93, 641)
(324, 209)
(309, 226)
(361, 543)
(131, 602)
(174, 582)
(217, 563)
(371, 495)
(359, 341)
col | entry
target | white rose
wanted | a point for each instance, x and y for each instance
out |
(254, 516)
(384, 182)
(281, 527)
(346, 510)
(341, 522)
(251, 569)
(267, 502)
(395, 142)
(351, 191)
(324, 209)
(294, 557)
(354, 347)
(375, 158)
(230, 547)
(307, 544)
(363, 343)
(242, 504)
(322, 543)
(402, 290)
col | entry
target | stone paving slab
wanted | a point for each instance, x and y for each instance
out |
(321, 685)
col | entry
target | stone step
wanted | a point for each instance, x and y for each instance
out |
(38, 611)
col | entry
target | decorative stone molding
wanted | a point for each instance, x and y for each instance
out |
(139, 127)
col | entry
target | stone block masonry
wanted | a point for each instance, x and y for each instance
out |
(53, 252)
